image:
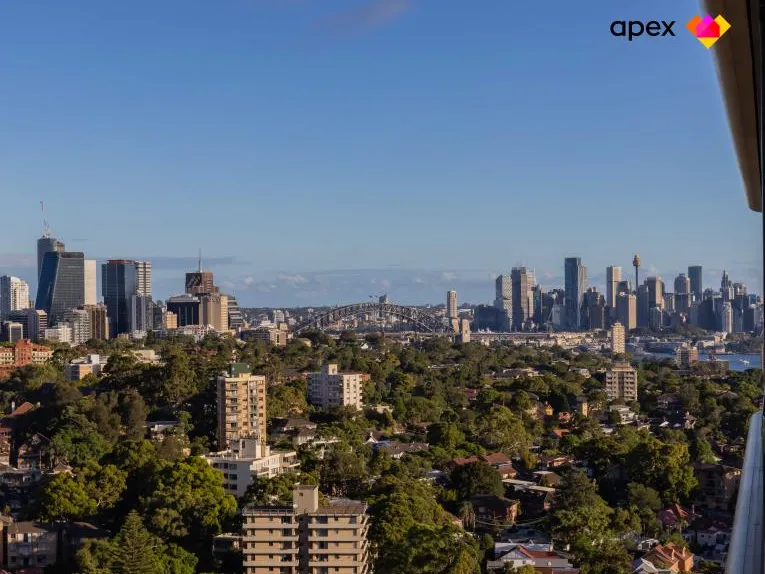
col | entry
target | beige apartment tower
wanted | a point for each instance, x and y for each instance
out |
(99, 321)
(306, 537)
(331, 388)
(617, 338)
(241, 405)
(622, 383)
(214, 311)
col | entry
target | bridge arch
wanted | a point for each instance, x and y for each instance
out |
(422, 320)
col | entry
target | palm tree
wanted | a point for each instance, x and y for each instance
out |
(467, 515)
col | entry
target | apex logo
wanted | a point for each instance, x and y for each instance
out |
(635, 28)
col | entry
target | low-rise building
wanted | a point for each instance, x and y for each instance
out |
(331, 388)
(670, 557)
(542, 557)
(717, 486)
(248, 459)
(23, 353)
(80, 368)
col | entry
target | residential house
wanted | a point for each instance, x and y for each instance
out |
(542, 557)
(499, 460)
(675, 516)
(546, 462)
(493, 511)
(32, 544)
(397, 449)
(670, 556)
(33, 454)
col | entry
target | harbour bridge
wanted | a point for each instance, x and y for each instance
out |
(421, 320)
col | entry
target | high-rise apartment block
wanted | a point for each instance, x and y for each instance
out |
(78, 321)
(14, 295)
(306, 537)
(655, 292)
(626, 310)
(241, 405)
(62, 284)
(726, 317)
(687, 356)
(451, 304)
(331, 388)
(503, 300)
(617, 338)
(622, 383)
(33, 321)
(575, 286)
(99, 321)
(613, 277)
(214, 311)
(143, 278)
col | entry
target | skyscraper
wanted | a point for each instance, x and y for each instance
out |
(523, 297)
(617, 338)
(200, 283)
(143, 278)
(47, 244)
(613, 276)
(119, 279)
(14, 295)
(643, 306)
(682, 284)
(503, 299)
(655, 292)
(91, 291)
(451, 304)
(62, 284)
(726, 317)
(241, 405)
(626, 310)
(697, 288)
(575, 285)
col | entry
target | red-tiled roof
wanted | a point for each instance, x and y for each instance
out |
(496, 458)
(23, 408)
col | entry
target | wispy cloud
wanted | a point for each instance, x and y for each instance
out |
(370, 14)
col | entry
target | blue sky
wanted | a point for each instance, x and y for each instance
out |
(319, 151)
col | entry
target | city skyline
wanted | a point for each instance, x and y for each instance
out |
(358, 151)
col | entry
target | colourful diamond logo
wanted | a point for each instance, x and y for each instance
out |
(707, 29)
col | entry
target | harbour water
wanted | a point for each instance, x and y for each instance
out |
(736, 362)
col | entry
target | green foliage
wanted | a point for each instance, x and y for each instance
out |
(287, 399)
(500, 429)
(477, 478)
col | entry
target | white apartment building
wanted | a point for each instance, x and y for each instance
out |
(249, 458)
(617, 338)
(331, 388)
(14, 295)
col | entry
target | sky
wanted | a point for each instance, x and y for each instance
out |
(322, 151)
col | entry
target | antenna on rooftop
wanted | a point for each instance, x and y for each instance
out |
(200, 259)
(46, 227)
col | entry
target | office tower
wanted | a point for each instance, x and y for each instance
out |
(643, 307)
(61, 284)
(14, 295)
(624, 287)
(186, 308)
(235, 317)
(91, 291)
(613, 277)
(78, 321)
(622, 383)
(99, 321)
(241, 405)
(310, 536)
(697, 287)
(141, 314)
(726, 317)
(34, 322)
(522, 297)
(503, 300)
(143, 278)
(655, 318)
(451, 304)
(200, 283)
(575, 285)
(61, 333)
(331, 388)
(682, 284)
(655, 292)
(118, 284)
(490, 318)
(670, 303)
(47, 244)
(617, 339)
(626, 310)
(214, 311)
(726, 287)
(12, 331)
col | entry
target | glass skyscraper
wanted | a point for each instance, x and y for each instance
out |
(62, 284)
(575, 285)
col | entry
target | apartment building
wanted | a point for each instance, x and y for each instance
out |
(306, 537)
(241, 405)
(687, 356)
(23, 353)
(617, 338)
(248, 459)
(331, 388)
(622, 383)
